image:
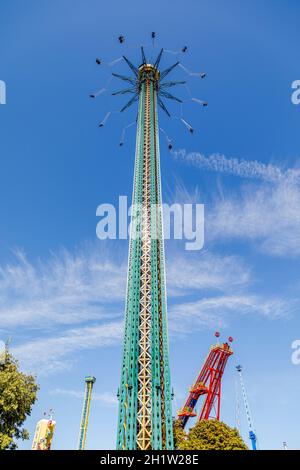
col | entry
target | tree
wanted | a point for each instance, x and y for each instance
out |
(179, 434)
(17, 395)
(212, 435)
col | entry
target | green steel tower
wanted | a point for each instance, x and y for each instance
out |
(145, 401)
(89, 381)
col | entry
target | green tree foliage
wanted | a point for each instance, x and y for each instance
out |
(179, 434)
(211, 435)
(17, 395)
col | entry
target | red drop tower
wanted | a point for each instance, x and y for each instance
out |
(208, 384)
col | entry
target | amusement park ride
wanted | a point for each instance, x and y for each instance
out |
(208, 385)
(89, 381)
(145, 400)
(44, 433)
(252, 433)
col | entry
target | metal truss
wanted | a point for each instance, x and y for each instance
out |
(145, 411)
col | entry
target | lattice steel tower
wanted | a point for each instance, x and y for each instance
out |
(145, 409)
(89, 382)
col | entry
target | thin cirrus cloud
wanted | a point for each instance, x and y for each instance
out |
(205, 271)
(267, 216)
(233, 166)
(73, 302)
(266, 213)
(107, 399)
(67, 288)
(218, 311)
(218, 286)
(74, 288)
(44, 355)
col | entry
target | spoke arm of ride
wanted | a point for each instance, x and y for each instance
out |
(130, 64)
(168, 70)
(130, 102)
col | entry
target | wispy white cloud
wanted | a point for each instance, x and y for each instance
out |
(72, 289)
(108, 399)
(217, 311)
(44, 355)
(64, 289)
(206, 271)
(74, 302)
(268, 216)
(239, 167)
(265, 213)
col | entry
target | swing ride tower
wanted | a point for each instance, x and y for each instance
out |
(145, 402)
(145, 398)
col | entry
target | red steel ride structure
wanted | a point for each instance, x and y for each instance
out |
(208, 384)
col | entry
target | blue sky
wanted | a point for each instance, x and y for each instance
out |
(62, 290)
